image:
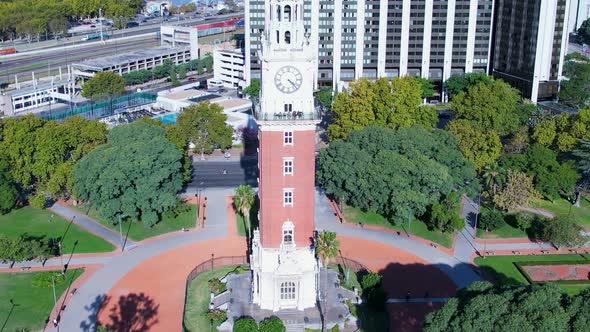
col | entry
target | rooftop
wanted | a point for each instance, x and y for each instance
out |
(125, 58)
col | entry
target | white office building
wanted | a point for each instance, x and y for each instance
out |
(578, 13)
(228, 67)
(387, 38)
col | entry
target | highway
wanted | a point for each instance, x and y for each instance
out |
(23, 64)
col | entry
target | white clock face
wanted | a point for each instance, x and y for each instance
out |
(288, 79)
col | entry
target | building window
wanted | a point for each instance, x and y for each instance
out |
(288, 138)
(288, 290)
(288, 108)
(287, 197)
(288, 167)
(288, 229)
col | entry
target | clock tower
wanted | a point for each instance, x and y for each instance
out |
(284, 267)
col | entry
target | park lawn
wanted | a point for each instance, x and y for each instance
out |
(196, 304)
(32, 304)
(503, 270)
(35, 222)
(139, 231)
(562, 207)
(418, 228)
(504, 231)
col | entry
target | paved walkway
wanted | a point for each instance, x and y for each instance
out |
(90, 225)
(80, 314)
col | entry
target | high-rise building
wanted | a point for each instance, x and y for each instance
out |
(530, 43)
(285, 271)
(386, 38)
(578, 13)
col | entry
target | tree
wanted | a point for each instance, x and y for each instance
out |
(135, 175)
(395, 104)
(575, 90)
(245, 324)
(564, 232)
(272, 324)
(489, 106)
(359, 171)
(444, 216)
(518, 191)
(484, 307)
(326, 248)
(493, 176)
(204, 126)
(8, 190)
(460, 83)
(583, 157)
(584, 31)
(252, 90)
(104, 85)
(490, 219)
(481, 147)
(324, 99)
(243, 200)
(427, 87)
(550, 177)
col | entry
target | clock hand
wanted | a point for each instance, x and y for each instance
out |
(292, 83)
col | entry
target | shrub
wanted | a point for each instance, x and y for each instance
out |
(336, 328)
(43, 279)
(180, 208)
(216, 286)
(563, 231)
(245, 324)
(370, 280)
(217, 315)
(524, 220)
(38, 201)
(490, 219)
(272, 324)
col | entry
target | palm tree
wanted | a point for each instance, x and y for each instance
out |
(326, 248)
(243, 200)
(492, 176)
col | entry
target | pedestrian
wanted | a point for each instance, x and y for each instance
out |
(55, 322)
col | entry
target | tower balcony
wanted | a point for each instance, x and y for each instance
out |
(281, 117)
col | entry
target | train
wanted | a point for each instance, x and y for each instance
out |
(208, 29)
(5, 51)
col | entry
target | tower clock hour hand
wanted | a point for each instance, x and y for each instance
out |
(292, 83)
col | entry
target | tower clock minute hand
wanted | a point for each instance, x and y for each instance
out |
(292, 83)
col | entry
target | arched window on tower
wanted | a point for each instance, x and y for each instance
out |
(288, 37)
(287, 11)
(288, 234)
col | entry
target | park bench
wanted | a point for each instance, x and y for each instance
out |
(25, 268)
(514, 252)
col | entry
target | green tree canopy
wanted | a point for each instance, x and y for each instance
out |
(561, 133)
(460, 83)
(584, 31)
(103, 85)
(395, 104)
(252, 90)
(244, 198)
(136, 174)
(272, 324)
(394, 172)
(444, 216)
(551, 177)
(204, 126)
(537, 307)
(8, 190)
(490, 106)
(480, 147)
(327, 246)
(518, 191)
(564, 232)
(245, 324)
(575, 90)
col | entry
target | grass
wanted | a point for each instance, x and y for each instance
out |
(562, 207)
(418, 228)
(504, 271)
(504, 231)
(32, 305)
(197, 300)
(139, 231)
(36, 222)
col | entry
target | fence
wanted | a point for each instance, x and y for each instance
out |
(349, 263)
(100, 110)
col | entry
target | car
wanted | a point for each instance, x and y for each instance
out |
(132, 24)
(192, 79)
(92, 26)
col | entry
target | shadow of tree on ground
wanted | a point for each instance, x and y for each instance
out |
(132, 313)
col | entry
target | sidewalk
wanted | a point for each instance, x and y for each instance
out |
(90, 225)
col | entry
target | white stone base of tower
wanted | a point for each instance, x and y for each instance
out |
(283, 278)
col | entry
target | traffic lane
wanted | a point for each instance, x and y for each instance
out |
(208, 174)
(109, 48)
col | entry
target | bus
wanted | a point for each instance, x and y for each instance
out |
(95, 36)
